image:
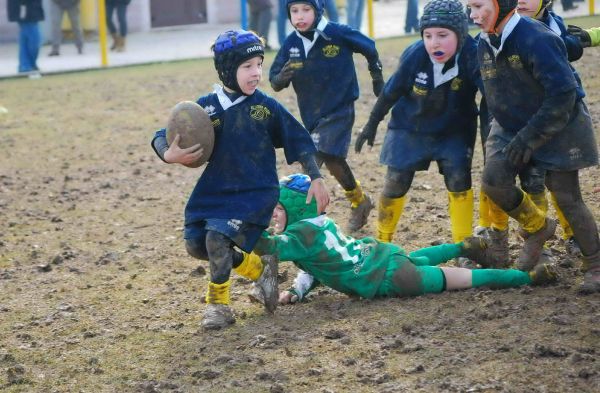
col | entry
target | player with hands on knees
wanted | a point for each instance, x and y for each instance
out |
(539, 117)
(317, 60)
(433, 117)
(233, 200)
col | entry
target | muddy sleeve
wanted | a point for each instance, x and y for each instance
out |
(550, 119)
(159, 143)
(309, 164)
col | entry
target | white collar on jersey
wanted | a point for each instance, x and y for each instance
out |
(308, 44)
(224, 100)
(438, 77)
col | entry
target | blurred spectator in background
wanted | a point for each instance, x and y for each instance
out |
(119, 37)
(282, 21)
(28, 14)
(260, 18)
(567, 5)
(331, 10)
(354, 13)
(57, 9)
(412, 17)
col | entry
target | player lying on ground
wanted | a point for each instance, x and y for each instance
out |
(367, 267)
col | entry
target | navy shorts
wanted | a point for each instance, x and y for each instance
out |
(333, 132)
(408, 151)
(243, 234)
(573, 148)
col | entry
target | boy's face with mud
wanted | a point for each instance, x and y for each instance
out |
(279, 219)
(249, 74)
(484, 13)
(441, 43)
(302, 16)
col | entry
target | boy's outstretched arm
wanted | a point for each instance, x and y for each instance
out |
(317, 189)
(303, 284)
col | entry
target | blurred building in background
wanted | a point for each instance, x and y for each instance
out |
(142, 15)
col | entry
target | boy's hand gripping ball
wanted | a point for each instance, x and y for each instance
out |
(192, 123)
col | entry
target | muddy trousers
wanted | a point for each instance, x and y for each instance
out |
(421, 275)
(499, 184)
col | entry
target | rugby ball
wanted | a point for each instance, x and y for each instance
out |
(192, 123)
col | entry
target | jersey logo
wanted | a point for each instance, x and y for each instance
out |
(418, 90)
(216, 122)
(515, 61)
(259, 112)
(331, 50)
(210, 110)
(421, 78)
(488, 72)
(235, 224)
(575, 154)
(456, 84)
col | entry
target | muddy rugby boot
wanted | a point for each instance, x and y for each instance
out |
(534, 245)
(591, 278)
(359, 215)
(572, 248)
(477, 249)
(217, 316)
(498, 248)
(544, 273)
(267, 282)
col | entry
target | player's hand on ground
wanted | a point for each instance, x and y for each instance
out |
(367, 134)
(187, 156)
(517, 151)
(318, 190)
(286, 297)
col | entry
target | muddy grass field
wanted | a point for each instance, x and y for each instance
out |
(97, 293)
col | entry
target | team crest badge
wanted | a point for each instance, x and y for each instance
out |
(456, 84)
(515, 61)
(259, 112)
(331, 50)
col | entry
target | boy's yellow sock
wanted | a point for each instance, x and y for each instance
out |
(218, 293)
(460, 207)
(484, 210)
(355, 196)
(251, 266)
(567, 230)
(498, 217)
(528, 215)
(390, 210)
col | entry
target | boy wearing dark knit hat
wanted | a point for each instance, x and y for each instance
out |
(540, 118)
(233, 200)
(317, 59)
(369, 268)
(434, 117)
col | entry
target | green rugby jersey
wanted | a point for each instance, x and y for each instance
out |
(351, 266)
